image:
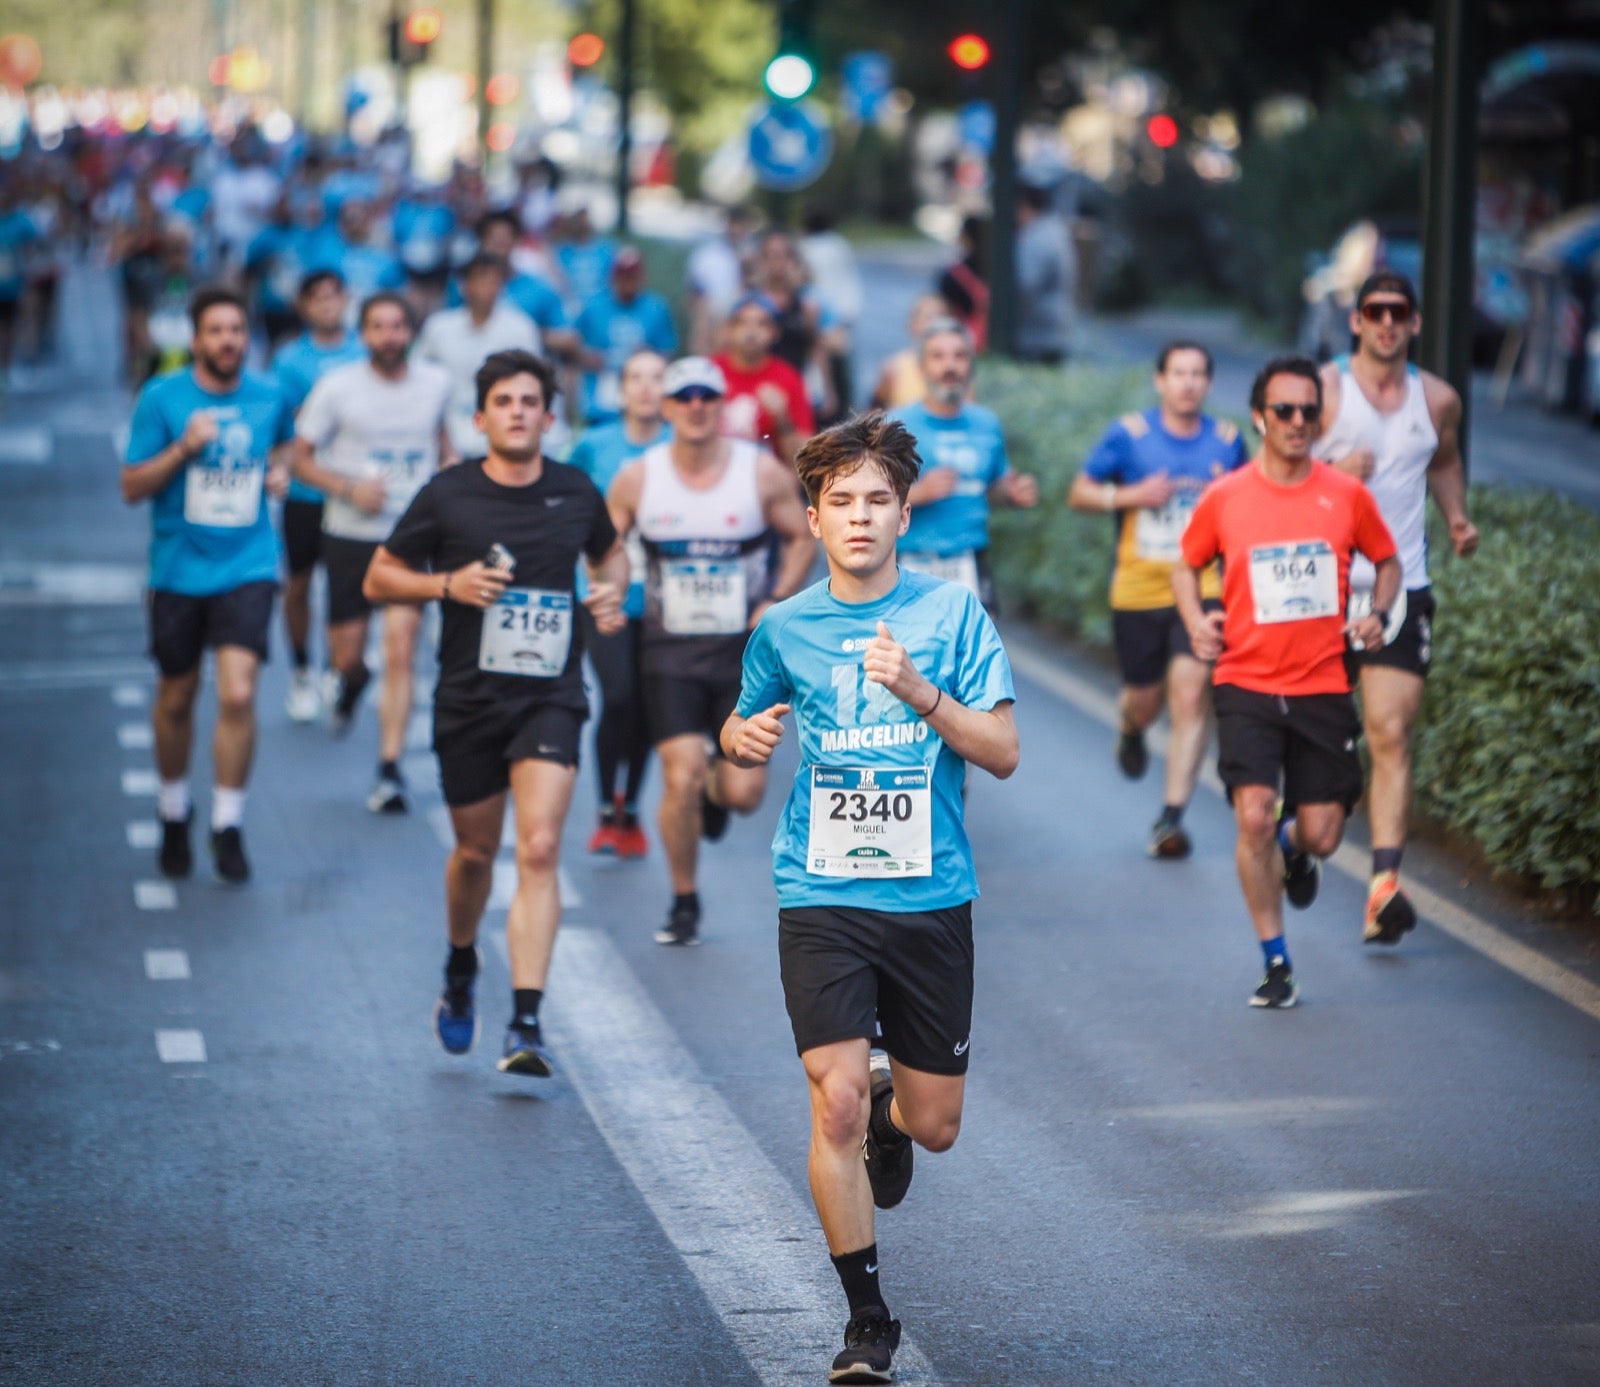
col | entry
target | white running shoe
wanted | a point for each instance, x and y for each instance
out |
(304, 703)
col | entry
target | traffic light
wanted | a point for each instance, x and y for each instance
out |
(1162, 130)
(969, 52)
(793, 70)
(410, 38)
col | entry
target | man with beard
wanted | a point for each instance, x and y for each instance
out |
(199, 450)
(965, 467)
(370, 435)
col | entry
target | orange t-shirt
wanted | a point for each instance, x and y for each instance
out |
(1285, 554)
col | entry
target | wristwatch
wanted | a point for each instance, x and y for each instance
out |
(1382, 616)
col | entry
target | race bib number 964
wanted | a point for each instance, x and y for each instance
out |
(1294, 582)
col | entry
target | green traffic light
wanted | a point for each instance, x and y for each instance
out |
(789, 76)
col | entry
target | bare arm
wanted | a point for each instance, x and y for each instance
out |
(1447, 477)
(985, 737)
(366, 493)
(608, 583)
(1361, 463)
(142, 480)
(781, 504)
(750, 742)
(1204, 628)
(1086, 494)
(623, 498)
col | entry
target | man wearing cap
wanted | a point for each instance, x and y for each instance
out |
(707, 509)
(766, 398)
(621, 319)
(459, 339)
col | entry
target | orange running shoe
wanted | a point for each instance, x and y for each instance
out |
(603, 840)
(1390, 913)
(631, 842)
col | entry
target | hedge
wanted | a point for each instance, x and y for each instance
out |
(1508, 748)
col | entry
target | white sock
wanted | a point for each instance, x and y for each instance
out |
(227, 808)
(172, 801)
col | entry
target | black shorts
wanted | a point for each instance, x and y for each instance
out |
(1303, 745)
(677, 704)
(475, 753)
(1412, 646)
(347, 561)
(1148, 641)
(183, 627)
(302, 534)
(847, 974)
(8, 311)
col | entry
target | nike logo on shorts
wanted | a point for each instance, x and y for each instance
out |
(961, 1049)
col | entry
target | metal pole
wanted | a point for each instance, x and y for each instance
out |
(1003, 181)
(485, 72)
(625, 61)
(1450, 200)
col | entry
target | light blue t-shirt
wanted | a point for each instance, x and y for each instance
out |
(617, 330)
(602, 452)
(298, 366)
(972, 444)
(807, 652)
(365, 269)
(586, 267)
(186, 555)
(17, 232)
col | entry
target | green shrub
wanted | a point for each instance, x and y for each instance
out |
(1508, 751)
(1508, 747)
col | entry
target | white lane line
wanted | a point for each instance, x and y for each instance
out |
(136, 736)
(181, 1047)
(135, 783)
(747, 1238)
(166, 965)
(130, 696)
(46, 675)
(72, 584)
(144, 833)
(25, 445)
(1456, 921)
(155, 895)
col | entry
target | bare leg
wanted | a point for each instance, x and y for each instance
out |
(469, 874)
(172, 718)
(1187, 682)
(1390, 700)
(684, 766)
(541, 793)
(839, 1084)
(233, 744)
(400, 626)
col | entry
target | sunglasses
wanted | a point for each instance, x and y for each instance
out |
(1284, 413)
(692, 393)
(1386, 310)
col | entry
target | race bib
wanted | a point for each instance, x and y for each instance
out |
(608, 392)
(961, 569)
(226, 498)
(1158, 533)
(170, 330)
(284, 278)
(703, 597)
(870, 823)
(528, 632)
(1294, 582)
(1360, 605)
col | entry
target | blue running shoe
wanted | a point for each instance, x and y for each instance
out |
(524, 1052)
(455, 1018)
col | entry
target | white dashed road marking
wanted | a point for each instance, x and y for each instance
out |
(136, 736)
(144, 833)
(140, 783)
(166, 965)
(129, 696)
(155, 895)
(181, 1047)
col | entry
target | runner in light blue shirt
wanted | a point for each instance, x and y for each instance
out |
(896, 681)
(614, 324)
(963, 453)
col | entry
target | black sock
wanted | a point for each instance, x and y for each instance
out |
(462, 963)
(858, 1273)
(1386, 860)
(350, 692)
(689, 900)
(525, 1004)
(302, 657)
(388, 770)
(882, 1124)
(1171, 814)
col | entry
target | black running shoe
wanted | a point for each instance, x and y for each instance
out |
(870, 1340)
(713, 819)
(888, 1166)
(524, 1052)
(1277, 988)
(1132, 756)
(1169, 840)
(227, 856)
(176, 860)
(682, 927)
(1302, 875)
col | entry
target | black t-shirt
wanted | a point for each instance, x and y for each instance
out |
(454, 519)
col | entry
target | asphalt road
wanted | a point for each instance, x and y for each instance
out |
(232, 1152)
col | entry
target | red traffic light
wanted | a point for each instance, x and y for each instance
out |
(585, 50)
(423, 27)
(969, 52)
(1162, 130)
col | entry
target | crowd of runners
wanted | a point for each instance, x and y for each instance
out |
(404, 367)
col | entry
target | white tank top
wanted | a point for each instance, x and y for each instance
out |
(707, 548)
(1402, 444)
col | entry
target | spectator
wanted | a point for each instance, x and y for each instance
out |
(1047, 279)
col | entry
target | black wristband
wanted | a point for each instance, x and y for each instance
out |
(938, 697)
(1382, 616)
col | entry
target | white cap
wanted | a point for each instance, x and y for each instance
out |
(690, 371)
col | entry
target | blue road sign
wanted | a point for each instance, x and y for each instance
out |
(790, 145)
(976, 123)
(868, 75)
